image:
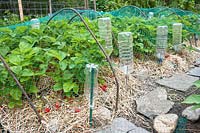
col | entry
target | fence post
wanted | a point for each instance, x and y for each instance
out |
(95, 6)
(50, 7)
(21, 14)
(86, 4)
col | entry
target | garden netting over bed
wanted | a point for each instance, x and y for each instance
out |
(128, 11)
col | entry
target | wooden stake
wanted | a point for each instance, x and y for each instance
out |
(50, 7)
(95, 6)
(86, 4)
(21, 14)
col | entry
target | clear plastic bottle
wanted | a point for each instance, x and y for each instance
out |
(150, 15)
(161, 42)
(198, 35)
(125, 41)
(177, 36)
(91, 82)
(105, 32)
(35, 23)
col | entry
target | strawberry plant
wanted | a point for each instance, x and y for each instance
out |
(48, 51)
(144, 32)
(61, 51)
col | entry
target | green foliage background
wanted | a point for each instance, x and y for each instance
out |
(51, 51)
(62, 50)
(107, 5)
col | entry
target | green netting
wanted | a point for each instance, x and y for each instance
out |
(128, 11)
(181, 126)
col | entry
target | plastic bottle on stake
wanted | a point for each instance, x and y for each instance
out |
(161, 42)
(150, 15)
(177, 36)
(35, 23)
(88, 76)
(105, 32)
(91, 85)
(198, 35)
(125, 41)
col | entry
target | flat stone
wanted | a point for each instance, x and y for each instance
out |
(165, 123)
(154, 103)
(53, 125)
(195, 72)
(142, 75)
(197, 49)
(197, 62)
(121, 125)
(191, 114)
(181, 82)
(105, 130)
(104, 113)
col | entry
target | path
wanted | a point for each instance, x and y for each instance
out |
(167, 93)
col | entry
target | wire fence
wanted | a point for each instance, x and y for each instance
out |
(41, 8)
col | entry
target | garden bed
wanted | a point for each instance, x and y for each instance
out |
(73, 115)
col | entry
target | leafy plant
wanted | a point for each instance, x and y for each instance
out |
(61, 51)
(108, 5)
(8, 18)
(49, 51)
(144, 31)
(194, 99)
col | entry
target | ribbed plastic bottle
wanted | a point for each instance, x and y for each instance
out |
(105, 32)
(150, 15)
(198, 35)
(91, 82)
(177, 36)
(125, 41)
(161, 42)
(35, 23)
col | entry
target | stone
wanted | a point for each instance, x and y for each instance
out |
(121, 125)
(105, 130)
(181, 82)
(53, 125)
(104, 113)
(197, 62)
(165, 123)
(197, 49)
(142, 75)
(154, 103)
(191, 114)
(195, 72)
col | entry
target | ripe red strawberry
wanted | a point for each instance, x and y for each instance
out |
(57, 105)
(76, 110)
(47, 110)
(104, 88)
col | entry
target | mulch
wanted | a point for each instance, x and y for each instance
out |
(24, 120)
